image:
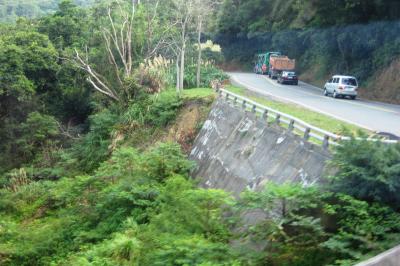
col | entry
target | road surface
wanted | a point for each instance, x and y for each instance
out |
(374, 116)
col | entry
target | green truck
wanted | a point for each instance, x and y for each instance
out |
(262, 64)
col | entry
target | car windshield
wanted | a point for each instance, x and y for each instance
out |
(349, 81)
(290, 74)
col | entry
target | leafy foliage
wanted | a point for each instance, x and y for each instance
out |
(73, 190)
(132, 197)
(306, 226)
(88, 153)
(209, 73)
(11, 10)
(370, 174)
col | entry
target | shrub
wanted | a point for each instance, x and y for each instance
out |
(209, 72)
(368, 171)
(163, 109)
(92, 149)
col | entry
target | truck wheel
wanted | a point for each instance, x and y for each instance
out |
(325, 92)
(335, 95)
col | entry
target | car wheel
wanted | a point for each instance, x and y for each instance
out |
(296, 83)
(353, 97)
(325, 92)
(335, 95)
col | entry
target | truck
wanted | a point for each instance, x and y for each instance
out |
(278, 64)
(262, 62)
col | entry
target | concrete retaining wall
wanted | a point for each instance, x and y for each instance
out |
(388, 258)
(236, 150)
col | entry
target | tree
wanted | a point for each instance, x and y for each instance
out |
(28, 67)
(290, 231)
(183, 14)
(370, 174)
(67, 27)
(118, 41)
(203, 11)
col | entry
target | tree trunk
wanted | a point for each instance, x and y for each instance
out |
(183, 50)
(198, 76)
(178, 74)
(182, 69)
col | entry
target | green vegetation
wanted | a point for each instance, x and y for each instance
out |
(353, 37)
(10, 10)
(94, 172)
(198, 93)
(313, 118)
(264, 16)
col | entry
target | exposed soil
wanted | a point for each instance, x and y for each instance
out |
(188, 123)
(385, 85)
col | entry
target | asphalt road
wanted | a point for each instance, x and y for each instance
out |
(375, 116)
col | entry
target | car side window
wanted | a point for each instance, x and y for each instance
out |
(330, 81)
(336, 80)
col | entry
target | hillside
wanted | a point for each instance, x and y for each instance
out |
(321, 35)
(10, 10)
(97, 119)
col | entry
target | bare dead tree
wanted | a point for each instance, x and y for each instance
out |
(118, 42)
(94, 78)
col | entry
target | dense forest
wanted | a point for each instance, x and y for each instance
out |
(10, 10)
(93, 172)
(360, 38)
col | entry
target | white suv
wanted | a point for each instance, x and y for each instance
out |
(341, 86)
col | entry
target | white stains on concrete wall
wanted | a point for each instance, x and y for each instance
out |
(236, 151)
(306, 181)
(245, 125)
(280, 140)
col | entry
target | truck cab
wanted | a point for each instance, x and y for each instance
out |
(262, 64)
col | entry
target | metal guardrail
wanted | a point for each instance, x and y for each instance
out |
(294, 124)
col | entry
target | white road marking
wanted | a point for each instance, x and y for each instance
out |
(324, 97)
(302, 104)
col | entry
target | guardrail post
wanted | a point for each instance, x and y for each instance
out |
(253, 110)
(265, 115)
(325, 143)
(219, 93)
(291, 125)
(244, 104)
(235, 101)
(227, 97)
(307, 133)
(278, 119)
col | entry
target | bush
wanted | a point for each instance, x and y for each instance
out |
(92, 149)
(368, 171)
(209, 73)
(157, 110)
(163, 109)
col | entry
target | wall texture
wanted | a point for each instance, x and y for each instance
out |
(236, 150)
(388, 258)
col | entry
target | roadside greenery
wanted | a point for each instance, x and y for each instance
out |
(91, 179)
(320, 120)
